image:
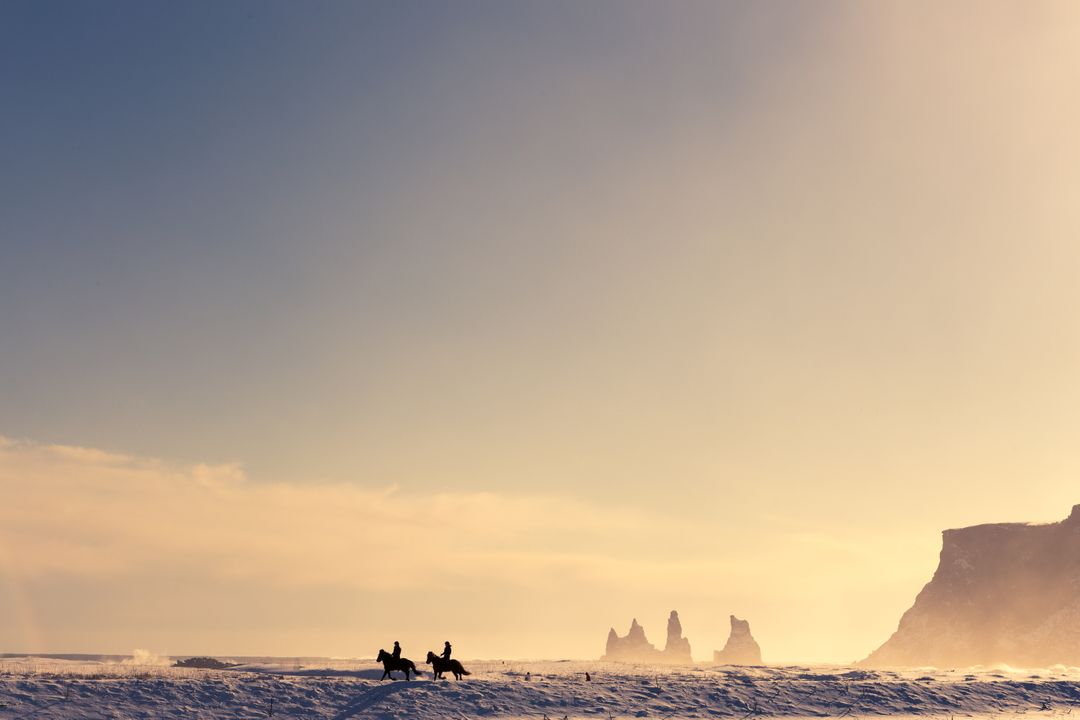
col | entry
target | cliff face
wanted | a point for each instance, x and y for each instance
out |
(1002, 593)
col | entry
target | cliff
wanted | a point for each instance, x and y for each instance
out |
(1002, 593)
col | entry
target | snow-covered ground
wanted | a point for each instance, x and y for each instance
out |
(43, 689)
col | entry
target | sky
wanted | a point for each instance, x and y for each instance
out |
(328, 324)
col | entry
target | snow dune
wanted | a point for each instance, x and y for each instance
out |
(497, 689)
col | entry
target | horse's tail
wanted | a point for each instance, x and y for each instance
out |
(418, 672)
(465, 672)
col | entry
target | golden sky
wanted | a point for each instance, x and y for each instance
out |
(507, 324)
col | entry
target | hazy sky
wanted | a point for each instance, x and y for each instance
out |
(328, 324)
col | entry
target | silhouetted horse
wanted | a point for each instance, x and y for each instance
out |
(439, 666)
(390, 664)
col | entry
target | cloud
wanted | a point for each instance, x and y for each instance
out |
(82, 511)
(113, 551)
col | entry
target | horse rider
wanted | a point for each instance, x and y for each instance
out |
(397, 651)
(446, 651)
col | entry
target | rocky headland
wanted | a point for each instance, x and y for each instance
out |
(1002, 593)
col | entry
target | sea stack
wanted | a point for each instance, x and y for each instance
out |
(741, 647)
(635, 648)
(677, 648)
(1002, 593)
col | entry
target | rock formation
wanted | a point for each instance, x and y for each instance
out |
(204, 663)
(741, 647)
(634, 647)
(1002, 593)
(677, 648)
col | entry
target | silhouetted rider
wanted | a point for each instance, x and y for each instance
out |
(446, 651)
(397, 651)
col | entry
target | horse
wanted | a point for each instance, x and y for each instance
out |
(439, 666)
(390, 664)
